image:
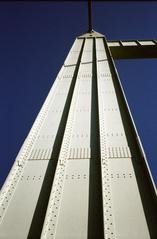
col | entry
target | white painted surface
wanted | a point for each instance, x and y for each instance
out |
(73, 211)
(146, 43)
(87, 52)
(129, 43)
(73, 54)
(128, 214)
(113, 44)
(18, 215)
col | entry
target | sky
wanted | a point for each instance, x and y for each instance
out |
(35, 38)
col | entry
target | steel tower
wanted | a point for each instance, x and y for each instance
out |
(82, 172)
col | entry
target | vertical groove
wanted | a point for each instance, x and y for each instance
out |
(95, 215)
(146, 189)
(40, 211)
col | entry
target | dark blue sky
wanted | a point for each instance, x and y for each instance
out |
(34, 41)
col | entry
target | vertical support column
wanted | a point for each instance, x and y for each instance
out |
(103, 83)
(124, 216)
(27, 189)
(144, 180)
(67, 213)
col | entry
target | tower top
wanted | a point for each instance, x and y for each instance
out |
(90, 16)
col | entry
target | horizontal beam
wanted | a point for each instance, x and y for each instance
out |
(133, 49)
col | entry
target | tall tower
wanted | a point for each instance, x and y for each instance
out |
(82, 172)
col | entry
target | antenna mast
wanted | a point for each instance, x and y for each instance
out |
(89, 15)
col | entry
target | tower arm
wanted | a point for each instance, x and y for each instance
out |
(128, 49)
